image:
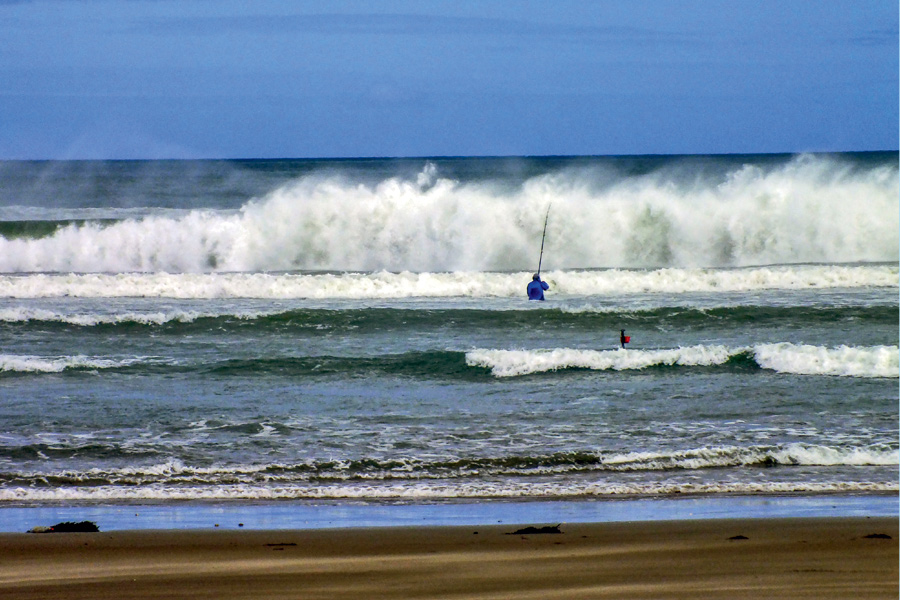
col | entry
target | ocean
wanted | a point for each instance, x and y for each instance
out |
(357, 331)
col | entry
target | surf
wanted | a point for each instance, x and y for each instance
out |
(563, 475)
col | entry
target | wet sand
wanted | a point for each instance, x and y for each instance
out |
(736, 558)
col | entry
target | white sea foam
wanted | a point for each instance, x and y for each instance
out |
(805, 454)
(383, 284)
(23, 314)
(811, 209)
(511, 363)
(803, 359)
(874, 361)
(730, 456)
(42, 364)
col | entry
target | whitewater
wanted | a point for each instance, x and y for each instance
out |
(382, 284)
(810, 209)
(880, 361)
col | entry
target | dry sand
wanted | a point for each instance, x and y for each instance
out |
(781, 558)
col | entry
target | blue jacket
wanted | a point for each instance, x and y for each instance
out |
(536, 289)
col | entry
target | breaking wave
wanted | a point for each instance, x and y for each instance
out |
(876, 361)
(786, 358)
(511, 476)
(50, 364)
(813, 208)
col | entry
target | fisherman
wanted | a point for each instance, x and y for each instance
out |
(536, 288)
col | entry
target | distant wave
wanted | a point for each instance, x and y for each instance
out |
(787, 358)
(57, 364)
(812, 209)
(434, 364)
(364, 319)
(383, 284)
(877, 361)
(32, 315)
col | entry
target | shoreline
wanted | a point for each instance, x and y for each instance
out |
(331, 514)
(827, 558)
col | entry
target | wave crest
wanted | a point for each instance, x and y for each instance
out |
(798, 359)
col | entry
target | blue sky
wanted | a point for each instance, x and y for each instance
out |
(278, 78)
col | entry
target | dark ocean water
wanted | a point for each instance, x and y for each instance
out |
(335, 330)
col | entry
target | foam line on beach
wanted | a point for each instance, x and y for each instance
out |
(429, 491)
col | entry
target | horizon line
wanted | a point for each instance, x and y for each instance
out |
(455, 156)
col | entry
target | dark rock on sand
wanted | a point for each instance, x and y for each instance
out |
(533, 530)
(68, 527)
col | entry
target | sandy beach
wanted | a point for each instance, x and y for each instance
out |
(735, 558)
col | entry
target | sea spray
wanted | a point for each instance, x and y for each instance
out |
(812, 208)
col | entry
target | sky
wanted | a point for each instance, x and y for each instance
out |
(150, 79)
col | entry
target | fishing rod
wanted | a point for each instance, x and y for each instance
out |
(541, 259)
